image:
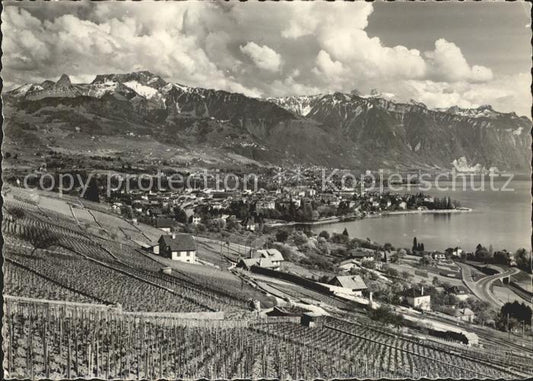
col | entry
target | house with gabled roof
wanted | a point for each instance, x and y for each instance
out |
(418, 299)
(165, 223)
(247, 263)
(273, 254)
(462, 314)
(353, 283)
(177, 246)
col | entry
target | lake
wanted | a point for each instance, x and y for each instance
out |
(502, 219)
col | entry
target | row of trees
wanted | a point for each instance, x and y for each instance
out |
(513, 315)
(442, 203)
(521, 258)
(417, 246)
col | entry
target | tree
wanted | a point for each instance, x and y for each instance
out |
(523, 260)
(16, 212)
(353, 244)
(424, 261)
(340, 238)
(324, 234)
(406, 275)
(388, 247)
(392, 272)
(282, 235)
(513, 314)
(385, 315)
(307, 211)
(91, 192)
(436, 281)
(232, 223)
(300, 238)
(482, 254)
(516, 310)
(40, 238)
(180, 215)
(345, 232)
(369, 264)
(501, 257)
(401, 253)
(415, 244)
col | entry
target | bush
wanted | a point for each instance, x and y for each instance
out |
(317, 262)
(299, 238)
(340, 238)
(282, 235)
(406, 275)
(201, 228)
(288, 253)
(354, 244)
(421, 273)
(386, 315)
(369, 264)
(324, 234)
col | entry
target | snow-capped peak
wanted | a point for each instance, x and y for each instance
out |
(145, 91)
(482, 111)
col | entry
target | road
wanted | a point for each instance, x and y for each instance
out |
(482, 288)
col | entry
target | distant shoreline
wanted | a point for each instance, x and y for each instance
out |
(333, 220)
(428, 211)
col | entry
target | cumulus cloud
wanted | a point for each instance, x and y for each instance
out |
(264, 57)
(259, 49)
(447, 63)
(506, 94)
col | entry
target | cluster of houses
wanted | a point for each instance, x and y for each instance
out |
(182, 247)
(157, 207)
(266, 258)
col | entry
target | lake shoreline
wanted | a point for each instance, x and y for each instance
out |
(334, 220)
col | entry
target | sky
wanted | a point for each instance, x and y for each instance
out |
(441, 54)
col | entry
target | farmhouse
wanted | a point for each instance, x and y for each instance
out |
(348, 264)
(460, 292)
(362, 255)
(247, 263)
(351, 282)
(438, 256)
(178, 247)
(164, 223)
(462, 314)
(273, 254)
(417, 299)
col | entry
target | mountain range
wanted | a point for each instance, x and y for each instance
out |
(142, 114)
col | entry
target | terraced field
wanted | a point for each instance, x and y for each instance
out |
(50, 341)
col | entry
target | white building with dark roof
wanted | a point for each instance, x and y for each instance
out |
(274, 255)
(417, 299)
(178, 247)
(353, 283)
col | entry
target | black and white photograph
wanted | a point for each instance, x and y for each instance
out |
(286, 190)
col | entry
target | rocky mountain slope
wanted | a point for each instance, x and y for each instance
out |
(335, 130)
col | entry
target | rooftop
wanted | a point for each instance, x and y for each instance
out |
(353, 282)
(178, 242)
(272, 254)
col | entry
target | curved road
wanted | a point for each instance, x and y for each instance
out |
(481, 288)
